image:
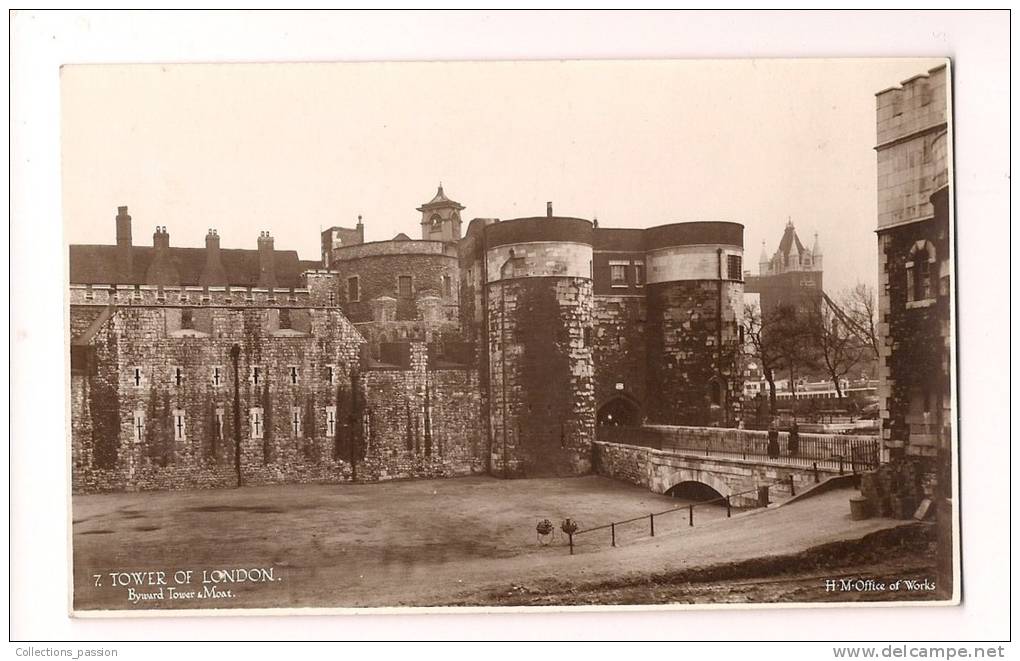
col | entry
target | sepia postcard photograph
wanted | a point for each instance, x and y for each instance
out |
(548, 334)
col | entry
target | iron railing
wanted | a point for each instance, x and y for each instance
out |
(787, 482)
(835, 452)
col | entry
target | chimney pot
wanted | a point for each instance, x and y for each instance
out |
(548, 209)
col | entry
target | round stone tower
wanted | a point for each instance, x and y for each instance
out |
(540, 371)
(695, 310)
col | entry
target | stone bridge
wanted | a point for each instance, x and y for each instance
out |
(729, 474)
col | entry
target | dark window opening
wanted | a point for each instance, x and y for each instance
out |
(639, 274)
(922, 276)
(733, 266)
(188, 319)
(618, 275)
(404, 286)
(447, 286)
(715, 393)
(353, 289)
(285, 321)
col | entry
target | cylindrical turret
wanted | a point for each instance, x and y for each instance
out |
(695, 308)
(540, 369)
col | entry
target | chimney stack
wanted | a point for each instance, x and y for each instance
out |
(162, 270)
(361, 230)
(125, 261)
(160, 238)
(267, 261)
(548, 209)
(213, 275)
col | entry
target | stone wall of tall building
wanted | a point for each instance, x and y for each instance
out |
(915, 265)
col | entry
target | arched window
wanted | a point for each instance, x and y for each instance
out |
(919, 272)
(715, 392)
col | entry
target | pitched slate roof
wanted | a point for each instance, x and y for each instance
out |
(97, 264)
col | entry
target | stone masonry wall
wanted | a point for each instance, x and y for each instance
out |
(178, 375)
(619, 347)
(423, 423)
(542, 394)
(684, 356)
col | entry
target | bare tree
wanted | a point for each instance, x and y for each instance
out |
(859, 304)
(763, 349)
(837, 345)
(788, 330)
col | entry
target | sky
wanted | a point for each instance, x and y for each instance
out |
(295, 148)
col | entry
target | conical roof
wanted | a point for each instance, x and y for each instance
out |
(790, 241)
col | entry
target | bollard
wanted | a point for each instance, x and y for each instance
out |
(651, 522)
(763, 495)
(814, 467)
(727, 507)
(570, 536)
(841, 465)
(792, 491)
(690, 514)
(612, 527)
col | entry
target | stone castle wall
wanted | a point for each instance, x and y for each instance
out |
(541, 390)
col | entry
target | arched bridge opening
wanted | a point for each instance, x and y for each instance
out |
(694, 491)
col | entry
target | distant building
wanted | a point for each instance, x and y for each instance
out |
(791, 276)
(915, 260)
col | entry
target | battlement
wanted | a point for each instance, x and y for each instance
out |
(917, 104)
(149, 295)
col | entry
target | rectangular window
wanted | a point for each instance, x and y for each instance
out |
(217, 376)
(330, 373)
(257, 424)
(639, 274)
(285, 321)
(353, 289)
(180, 429)
(177, 376)
(219, 424)
(138, 425)
(733, 267)
(331, 421)
(295, 421)
(188, 318)
(255, 375)
(404, 286)
(294, 374)
(88, 293)
(617, 274)
(447, 286)
(136, 377)
(332, 299)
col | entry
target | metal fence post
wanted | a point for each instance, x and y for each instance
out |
(570, 536)
(612, 527)
(727, 507)
(651, 523)
(690, 514)
(814, 467)
(792, 492)
(840, 464)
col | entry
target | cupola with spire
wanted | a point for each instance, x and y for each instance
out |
(440, 218)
